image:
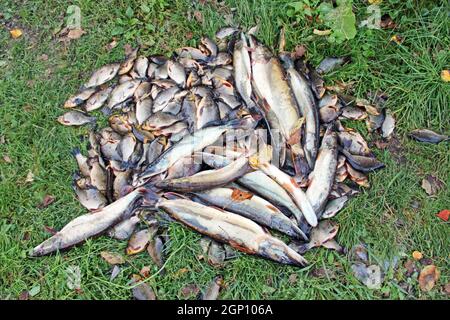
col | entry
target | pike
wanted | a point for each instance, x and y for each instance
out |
(239, 232)
(322, 178)
(251, 206)
(88, 225)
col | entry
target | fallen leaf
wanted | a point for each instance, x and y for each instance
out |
(369, 276)
(75, 33)
(190, 290)
(142, 291)
(410, 267)
(319, 273)
(445, 75)
(112, 258)
(359, 253)
(293, 278)
(7, 159)
(30, 176)
(198, 16)
(128, 49)
(26, 236)
(431, 184)
(397, 39)
(48, 199)
(24, 295)
(145, 271)
(43, 57)
(387, 22)
(16, 33)
(428, 277)
(299, 51)
(444, 214)
(2, 140)
(34, 291)
(189, 35)
(447, 289)
(417, 255)
(322, 32)
(111, 45)
(426, 261)
(50, 230)
(375, 1)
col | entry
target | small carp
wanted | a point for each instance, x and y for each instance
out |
(75, 118)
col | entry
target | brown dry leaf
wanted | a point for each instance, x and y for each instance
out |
(447, 289)
(375, 1)
(322, 32)
(24, 295)
(428, 277)
(410, 267)
(444, 214)
(387, 22)
(299, 51)
(30, 176)
(397, 39)
(190, 290)
(7, 159)
(48, 199)
(145, 271)
(431, 184)
(111, 45)
(112, 258)
(128, 49)
(417, 255)
(198, 16)
(74, 34)
(16, 33)
(2, 140)
(293, 278)
(445, 75)
(189, 35)
(43, 57)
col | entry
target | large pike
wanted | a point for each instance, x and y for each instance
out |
(322, 178)
(239, 232)
(253, 207)
(308, 108)
(89, 225)
(188, 145)
(243, 70)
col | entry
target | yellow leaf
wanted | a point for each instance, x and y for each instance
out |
(375, 1)
(322, 32)
(445, 75)
(397, 39)
(16, 33)
(417, 255)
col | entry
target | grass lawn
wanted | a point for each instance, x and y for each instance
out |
(393, 217)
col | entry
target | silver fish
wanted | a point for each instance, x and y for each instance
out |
(127, 65)
(102, 75)
(123, 92)
(176, 72)
(388, 125)
(143, 110)
(98, 99)
(425, 135)
(332, 63)
(88, 225)
(243, 70)
(75, 118)
(124, 229)
(79, 98)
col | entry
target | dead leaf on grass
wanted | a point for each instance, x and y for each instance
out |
(445, 75)
(30, 177)
(322, 32)
(299, 51)
(111, 45)
(198, 16)
(16, 33)
(48, 200)
(444, 214)
(431, 184)
(417, 255)
(190, 290)
(112, 258)
(387, 22)
(428, 277)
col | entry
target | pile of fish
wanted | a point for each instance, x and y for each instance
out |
(246, 147)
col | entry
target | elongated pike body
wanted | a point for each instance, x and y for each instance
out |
(239, 232)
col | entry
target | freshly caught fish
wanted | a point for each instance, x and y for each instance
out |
(362, 163)
(75, 118)
(127, 65)
(123, 92)
(322, 177)
(329, 64)
(235, 230)
(163, 98)
(90, 198)
(388, 126)
(79, 98)
(143, 110)
(243, 70)
(259, 183)
(177, 73)
(188, 145)
(207, 179)
(333, 207)
(156, 251)
(88, 225)
(103, 75)
(425, 135)
(308, 108)
(124, 229)
(98, 99)
(206, 112)
(287, 182)
(251, 206)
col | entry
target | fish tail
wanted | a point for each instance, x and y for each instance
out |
(75, 152)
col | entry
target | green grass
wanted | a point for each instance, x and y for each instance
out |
(33, 90)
